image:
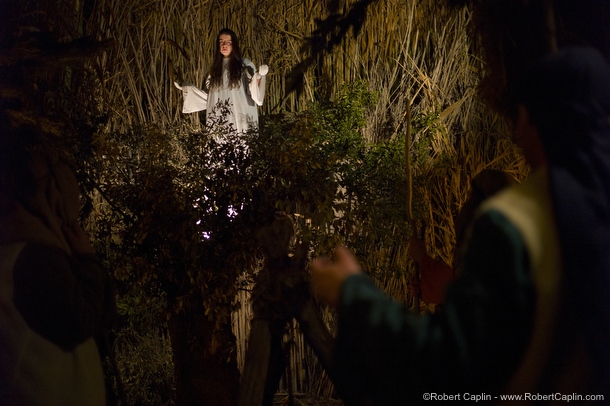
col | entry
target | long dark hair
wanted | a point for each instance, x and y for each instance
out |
(235, 62)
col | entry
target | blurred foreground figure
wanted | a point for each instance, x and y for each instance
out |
(436, 275)
(53, 291)
(530, 310)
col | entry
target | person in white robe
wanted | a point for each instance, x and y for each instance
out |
(233, 90)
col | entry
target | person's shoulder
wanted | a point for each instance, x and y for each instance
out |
(533, 191)
(528, 206)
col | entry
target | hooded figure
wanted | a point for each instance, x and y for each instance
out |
(53, 289)
(529, 314)
(567, 96)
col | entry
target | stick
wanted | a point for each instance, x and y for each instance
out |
(410, 219)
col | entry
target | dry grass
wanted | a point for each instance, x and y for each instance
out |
(415, 55)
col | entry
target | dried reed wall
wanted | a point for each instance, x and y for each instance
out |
(416, 55)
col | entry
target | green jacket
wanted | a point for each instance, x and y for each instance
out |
(493, 335)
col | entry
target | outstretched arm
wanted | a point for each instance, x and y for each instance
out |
(387, 353)
(257, 85)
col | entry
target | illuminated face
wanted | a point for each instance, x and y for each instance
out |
(226, 45)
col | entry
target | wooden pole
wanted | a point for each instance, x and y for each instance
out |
(410, 219)
(281, 294)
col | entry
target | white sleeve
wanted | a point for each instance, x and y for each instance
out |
(257, 88)
(195, 99)
(256, 85)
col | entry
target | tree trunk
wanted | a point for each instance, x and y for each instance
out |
(263, 367)
(281, 293)
(204, 360)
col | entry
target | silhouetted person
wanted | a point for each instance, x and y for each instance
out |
(53, 289)
(530, 310)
